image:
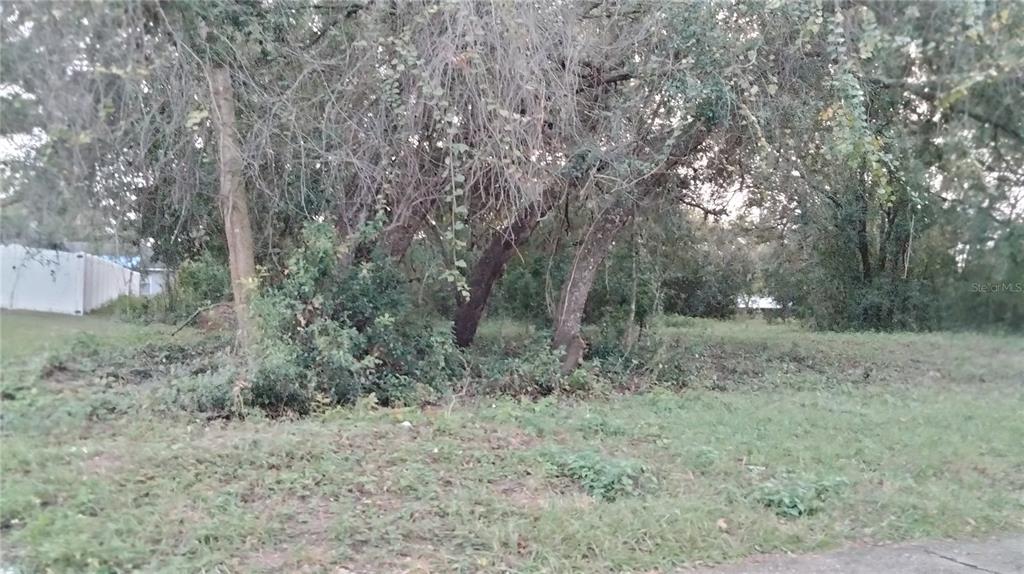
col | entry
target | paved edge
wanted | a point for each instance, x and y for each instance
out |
(998, 555)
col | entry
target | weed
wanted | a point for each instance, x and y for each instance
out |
(601, 477)
(206, 392)
(791, 497)
(705, 457)
(533, 369)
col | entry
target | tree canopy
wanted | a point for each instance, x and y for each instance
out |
(859, 161)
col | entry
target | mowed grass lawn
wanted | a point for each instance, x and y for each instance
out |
(785, 440)
(27, 333)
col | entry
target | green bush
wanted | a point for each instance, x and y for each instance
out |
(132, 308)
(199, 282)
(209, 392)
(332, 332)
(656, 358)
(203, 281)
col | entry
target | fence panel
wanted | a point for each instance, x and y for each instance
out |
(61, 282)
(105, 281)
(41, 280)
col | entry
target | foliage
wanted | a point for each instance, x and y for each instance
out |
(820, 278)
(331, 333)
(704, 267)
(209, 392)
(676, 263)
(655, 359)
(793, 497)
(529, 367)
(600, 476)
(525, 292)
(200, 281)
(877, 159)
(898, 189)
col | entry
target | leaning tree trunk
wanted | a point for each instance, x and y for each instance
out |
(596, 245)
(503, 245)
(234, 204)
(488, 269)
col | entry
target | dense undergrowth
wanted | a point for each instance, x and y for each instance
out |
(340, 323)
(198, 374)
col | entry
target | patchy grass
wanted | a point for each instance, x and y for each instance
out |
(805, 454)
(25, 333)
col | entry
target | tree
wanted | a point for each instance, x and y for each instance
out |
(234, 202)
(851, 137)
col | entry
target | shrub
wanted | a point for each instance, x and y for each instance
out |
(332, 332)
(199, 282)
(203, 281)
(656, 357)
(525, 367)
(132, 308)
(209, 392)
(602, 477)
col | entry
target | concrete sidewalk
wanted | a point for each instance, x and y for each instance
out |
(1003, 555)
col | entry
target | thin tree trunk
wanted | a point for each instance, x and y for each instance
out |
(888, 224)
(863, 245)
(234, 204)
(910, 244)
(591, 252)
(632, 332)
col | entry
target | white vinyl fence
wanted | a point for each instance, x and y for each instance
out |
(59, 281)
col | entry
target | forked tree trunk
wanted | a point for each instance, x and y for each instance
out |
(398, 237)
(234, 205)
(596, 245)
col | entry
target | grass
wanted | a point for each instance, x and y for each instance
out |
(779, 443)
(24, 333)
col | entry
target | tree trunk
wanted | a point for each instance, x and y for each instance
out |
(503, 245)
(593, 249)
(234, 204)
(488, 269)
(632, 331)
(398, 239)
(863, 244)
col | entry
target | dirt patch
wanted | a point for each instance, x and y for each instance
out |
(510, 438)
(61, 374)
(526, 493)
(103, 464)
(220, 317)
